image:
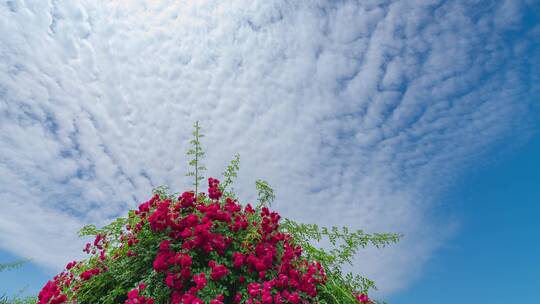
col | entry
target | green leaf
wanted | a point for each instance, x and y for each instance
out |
(197, 153)
(265, 193)
(11, 265)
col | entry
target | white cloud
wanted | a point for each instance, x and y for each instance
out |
(357, 113)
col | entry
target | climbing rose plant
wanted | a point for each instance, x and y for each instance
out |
(197, 248)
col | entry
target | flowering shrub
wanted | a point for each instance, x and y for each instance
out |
(199, 248)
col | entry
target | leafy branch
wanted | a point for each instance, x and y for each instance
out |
(230, 173)
(114, 228)
(11, 265)
(345, 245)
(265, 193)
(197, 153)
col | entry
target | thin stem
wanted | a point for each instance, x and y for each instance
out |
(196, 159)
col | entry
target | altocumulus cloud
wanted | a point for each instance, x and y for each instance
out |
(357, 112)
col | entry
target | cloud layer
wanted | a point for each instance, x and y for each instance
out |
(358, 113)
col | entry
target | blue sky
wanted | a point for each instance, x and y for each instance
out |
(493, 258)
(419, 117)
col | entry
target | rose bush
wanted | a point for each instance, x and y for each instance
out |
(198, 248)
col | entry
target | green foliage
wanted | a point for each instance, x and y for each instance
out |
(11, 265)
(230, 174)
(265, 193)
(163, 192)
(114, 228)
(17, 300)
(345, 245)
(197, 154)
(113, 285)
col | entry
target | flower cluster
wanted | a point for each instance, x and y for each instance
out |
(135, 298)
(362, 298)
(52, 291)
(203, 249)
